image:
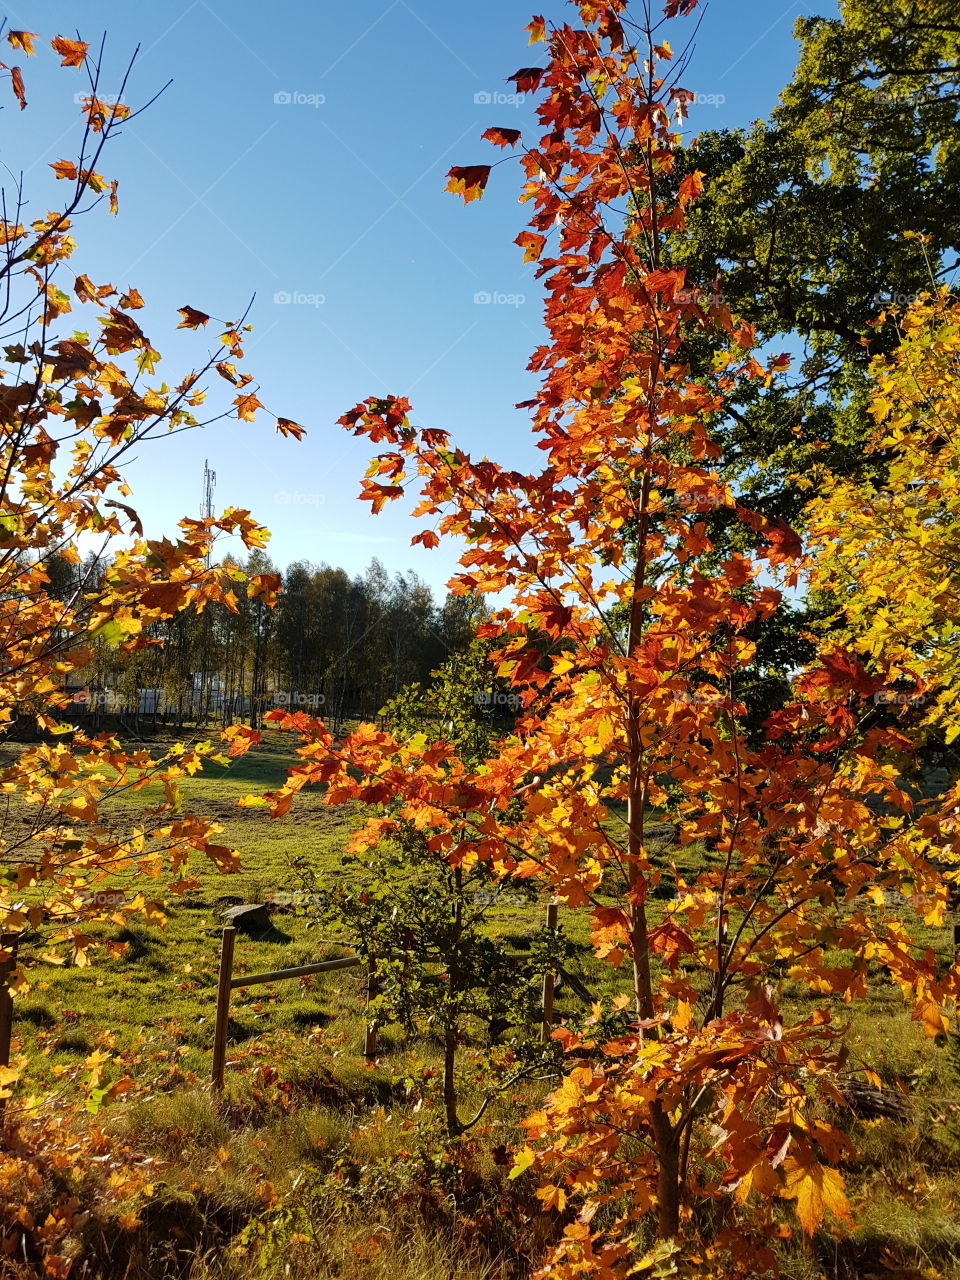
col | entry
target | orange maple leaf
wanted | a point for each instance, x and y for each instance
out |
(72, 52)
(690, 188)
(16, 80)
(64, 169)
(532, 245)
(247, 406)
(23, 40)
(287, 427)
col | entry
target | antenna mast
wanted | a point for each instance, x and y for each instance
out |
(206, 506)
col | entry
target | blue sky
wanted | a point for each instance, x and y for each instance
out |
(299, 155)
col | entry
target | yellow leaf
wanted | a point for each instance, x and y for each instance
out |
(523, 1160)
(553, 1197)
(816, 1189)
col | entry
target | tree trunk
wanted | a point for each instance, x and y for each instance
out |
(665, 1137)
(449, 1080)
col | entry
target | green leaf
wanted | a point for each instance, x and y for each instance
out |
(111, 633)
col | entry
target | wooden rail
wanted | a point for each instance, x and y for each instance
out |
(223, 1007)
(549, 981)
(299, 971)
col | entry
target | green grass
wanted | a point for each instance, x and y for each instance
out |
(157, 1000)
(319, 1164)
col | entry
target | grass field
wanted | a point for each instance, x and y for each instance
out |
(319, 1163)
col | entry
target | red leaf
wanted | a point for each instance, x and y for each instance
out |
(501, 137)
(527, 79)
(783, 540)
(468, 181)
(16, 79)
(192, 319)
(663, 281)
(844, 671)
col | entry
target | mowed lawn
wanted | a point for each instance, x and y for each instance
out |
(154, 1008)
(159, 997)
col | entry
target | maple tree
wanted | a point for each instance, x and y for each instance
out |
(707, 1110)
(80, 392)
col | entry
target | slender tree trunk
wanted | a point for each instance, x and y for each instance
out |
(449, 1078)
(665, 1137)
(452, 1019)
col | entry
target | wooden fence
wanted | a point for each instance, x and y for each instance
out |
(228, 983)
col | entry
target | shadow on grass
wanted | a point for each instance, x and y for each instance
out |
(264, 769)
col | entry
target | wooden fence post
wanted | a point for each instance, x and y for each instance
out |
(223, 1008)
(370, 1035)
(9, 942)
(549, 979)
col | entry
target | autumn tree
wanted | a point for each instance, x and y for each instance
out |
(80, 393)
(703, 1120)
(886, 555)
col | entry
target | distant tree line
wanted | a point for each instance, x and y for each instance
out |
(333, 645)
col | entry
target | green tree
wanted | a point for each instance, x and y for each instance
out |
(813, 221)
